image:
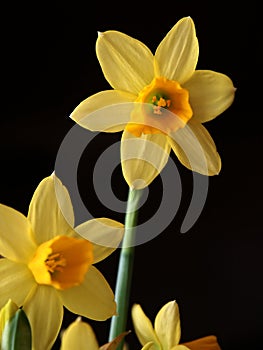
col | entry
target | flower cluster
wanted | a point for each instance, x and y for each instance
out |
(160, 102)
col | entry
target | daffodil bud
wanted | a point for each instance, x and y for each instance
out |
(15, 328)
(6, 313)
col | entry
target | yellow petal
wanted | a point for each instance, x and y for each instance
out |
(93, 299)
(16, 282)
(167, 325)
(107, 111)
(143, 327)
(205, 343)
(50, 210)
(150, 346)
(16, 239)
(126, 63)
(45, 313)
(143, 158)
(210, 94)
(177, 54)
(64, 200)
(196, 149)
(79, 335)
(105, 235)
(180, 347)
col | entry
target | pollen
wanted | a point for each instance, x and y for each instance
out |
(162, 102)
(62, 262)
(55, 262)
(158, 103)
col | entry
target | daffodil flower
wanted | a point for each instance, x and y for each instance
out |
(47, 264)
(160, 102)
(166, 332)
(80, 335)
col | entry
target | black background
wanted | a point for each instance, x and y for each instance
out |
(49, 66)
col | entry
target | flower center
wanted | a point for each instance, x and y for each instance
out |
(159, 101)
(62, 262)
(163, 106)
(55, 262)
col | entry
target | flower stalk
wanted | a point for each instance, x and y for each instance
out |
(125, 267)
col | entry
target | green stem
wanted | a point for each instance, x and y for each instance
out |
(125, 267)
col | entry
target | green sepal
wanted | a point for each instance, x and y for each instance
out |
(17, 333)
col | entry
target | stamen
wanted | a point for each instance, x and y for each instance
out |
(159, 102)
(62, 262)
(55, 262)
(162, 102)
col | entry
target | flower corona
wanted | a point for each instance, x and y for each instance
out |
(161, 95)
(62, 262)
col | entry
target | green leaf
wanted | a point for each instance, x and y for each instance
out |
(17, 333)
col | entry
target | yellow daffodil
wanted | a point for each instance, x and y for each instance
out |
(47, 264)
(160, 101)
(166, 332)
(80, 335)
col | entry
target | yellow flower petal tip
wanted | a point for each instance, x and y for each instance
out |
(80, 335)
